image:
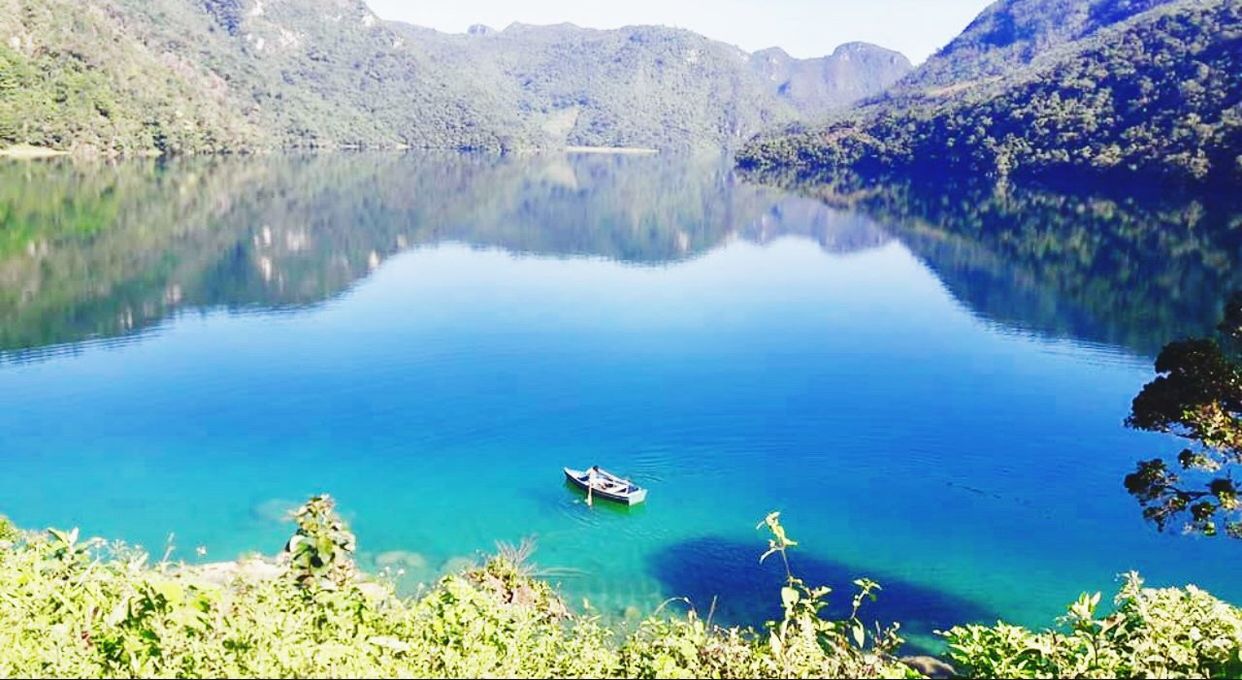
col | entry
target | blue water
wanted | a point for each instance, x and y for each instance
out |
(431, 339)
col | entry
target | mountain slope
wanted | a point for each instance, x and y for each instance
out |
(1010, 34)
(1156, 94)
(189, 76)
(159, 76)
(654, 86)
(853, 71)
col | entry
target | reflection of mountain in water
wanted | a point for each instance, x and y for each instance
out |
(1118, 271)
(105, 251)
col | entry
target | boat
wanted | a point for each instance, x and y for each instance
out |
(604, 484)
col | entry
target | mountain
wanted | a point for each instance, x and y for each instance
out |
(1117, 90)
(1011, 34)
(166, 76)
(651, 86)
(815, 86)
(130, 77)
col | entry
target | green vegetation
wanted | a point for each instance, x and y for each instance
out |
(129, 77)
(134, 77)
(1155, 95)
(1198, 398)
(650, 86)
(1009, 35)
(74, 608)
(83, 87)
(1153, 633)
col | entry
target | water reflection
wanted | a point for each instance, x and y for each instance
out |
(1100, 266)
(108, 251)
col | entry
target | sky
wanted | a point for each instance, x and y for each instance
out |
(804, 28)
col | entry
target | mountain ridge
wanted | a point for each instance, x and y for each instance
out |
(1150, 90)
(135, 77)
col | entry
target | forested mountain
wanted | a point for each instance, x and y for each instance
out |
(1011, 34)
(169, 76)
(1117, 89)
(653, 86)
(136, 76)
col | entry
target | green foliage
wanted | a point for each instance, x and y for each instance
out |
(1154, 95)
(1164, 633)
(128, 77)
(72, 608)
(652, 86)
(799, 641)
(131, 77)
(82, 609)
(1197, 397)
(1008, 35)
(321, 551)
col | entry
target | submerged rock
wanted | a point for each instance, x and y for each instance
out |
(401, 558)
(930, 666)
(224, 573)
(275, 510)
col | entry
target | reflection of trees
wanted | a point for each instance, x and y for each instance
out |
(101, 251)
(1089, 266)
(1197, 397)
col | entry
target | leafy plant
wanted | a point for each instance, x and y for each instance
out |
(1164, 633)
(321, 551)
(79, 608)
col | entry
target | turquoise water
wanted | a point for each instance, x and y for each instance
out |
(194, 347)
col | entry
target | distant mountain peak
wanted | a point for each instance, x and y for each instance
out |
(772, 53)
(521, 27)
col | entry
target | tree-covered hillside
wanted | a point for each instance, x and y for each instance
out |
(651, 86)
(129, 77)
(161, 76)
(1156, 94)
(1011, 34)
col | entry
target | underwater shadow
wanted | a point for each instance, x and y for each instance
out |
(748, 593)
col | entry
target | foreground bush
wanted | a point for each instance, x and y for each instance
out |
(70, 608)
(1153, 633)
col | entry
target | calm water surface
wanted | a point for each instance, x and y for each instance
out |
(930, 386)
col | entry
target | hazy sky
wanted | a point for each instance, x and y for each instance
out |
(805, 28)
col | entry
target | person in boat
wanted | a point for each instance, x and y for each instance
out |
(596, 479)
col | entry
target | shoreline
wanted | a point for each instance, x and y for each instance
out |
(26, 152)
(613, 150)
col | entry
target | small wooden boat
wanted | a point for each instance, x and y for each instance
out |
(604, 484)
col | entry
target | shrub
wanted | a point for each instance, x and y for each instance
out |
(71, 608)
(1165, 632)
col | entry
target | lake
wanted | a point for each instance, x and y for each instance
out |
(929, 384)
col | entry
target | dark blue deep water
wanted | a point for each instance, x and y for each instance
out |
(929, 384)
